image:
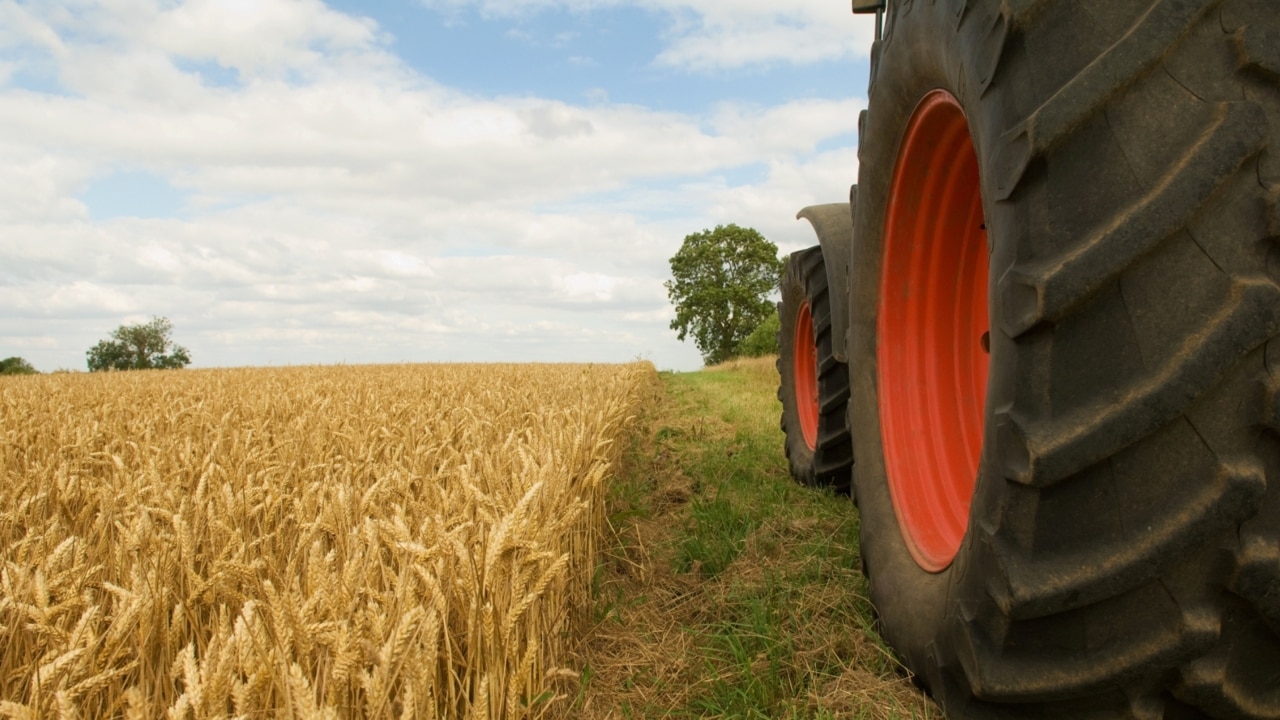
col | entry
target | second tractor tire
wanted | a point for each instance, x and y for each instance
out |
(814, 385)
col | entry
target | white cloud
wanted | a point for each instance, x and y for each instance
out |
(30, 341)
(587, 287)
(728, 34)
(787, 129)
(262, 37)
(720, 34)
(38, 185)
(20, 27)
(343, 207)
(81, 296)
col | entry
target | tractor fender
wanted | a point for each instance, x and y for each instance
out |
(833, 224)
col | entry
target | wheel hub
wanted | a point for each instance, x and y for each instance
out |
(933, 331)
(806, 376)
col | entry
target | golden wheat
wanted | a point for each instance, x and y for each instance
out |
(408, 541)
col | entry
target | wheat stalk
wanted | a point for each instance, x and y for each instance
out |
(408, 540)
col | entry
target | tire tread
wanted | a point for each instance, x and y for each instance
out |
(829, 463)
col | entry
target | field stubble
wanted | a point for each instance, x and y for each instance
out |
(412, 541)
(728, 590)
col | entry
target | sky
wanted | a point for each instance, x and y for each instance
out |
(300, 182)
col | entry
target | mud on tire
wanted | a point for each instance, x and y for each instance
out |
(822, 458)
(1122, 552)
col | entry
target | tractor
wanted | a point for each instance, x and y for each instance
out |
(1039, 347)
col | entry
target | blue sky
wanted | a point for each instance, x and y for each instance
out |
(293, 181)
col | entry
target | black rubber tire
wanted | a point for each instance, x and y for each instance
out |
(1122, 557)
(804, 279)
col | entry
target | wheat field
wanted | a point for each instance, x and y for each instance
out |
(413, 541)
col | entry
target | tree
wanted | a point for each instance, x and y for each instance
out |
(16, 366)
(720, 283)
(764, 339)
(139, 347)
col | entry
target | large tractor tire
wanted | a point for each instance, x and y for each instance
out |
(814, 387)
(1064, 356)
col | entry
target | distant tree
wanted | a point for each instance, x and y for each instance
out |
(720, 283)
(16, 366)
(764, 339)
(142, 346)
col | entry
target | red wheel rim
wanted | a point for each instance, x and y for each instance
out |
(932, 331)
(805, 368)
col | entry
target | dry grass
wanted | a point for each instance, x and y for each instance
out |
(764, 368)
(729, 591)
(409, 541)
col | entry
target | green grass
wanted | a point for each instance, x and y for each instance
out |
(730, 591)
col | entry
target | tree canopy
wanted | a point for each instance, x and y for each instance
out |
(142, 346)
(720, 285)
(764, 339)
(16, 366)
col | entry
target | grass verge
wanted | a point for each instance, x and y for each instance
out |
(730, 591)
